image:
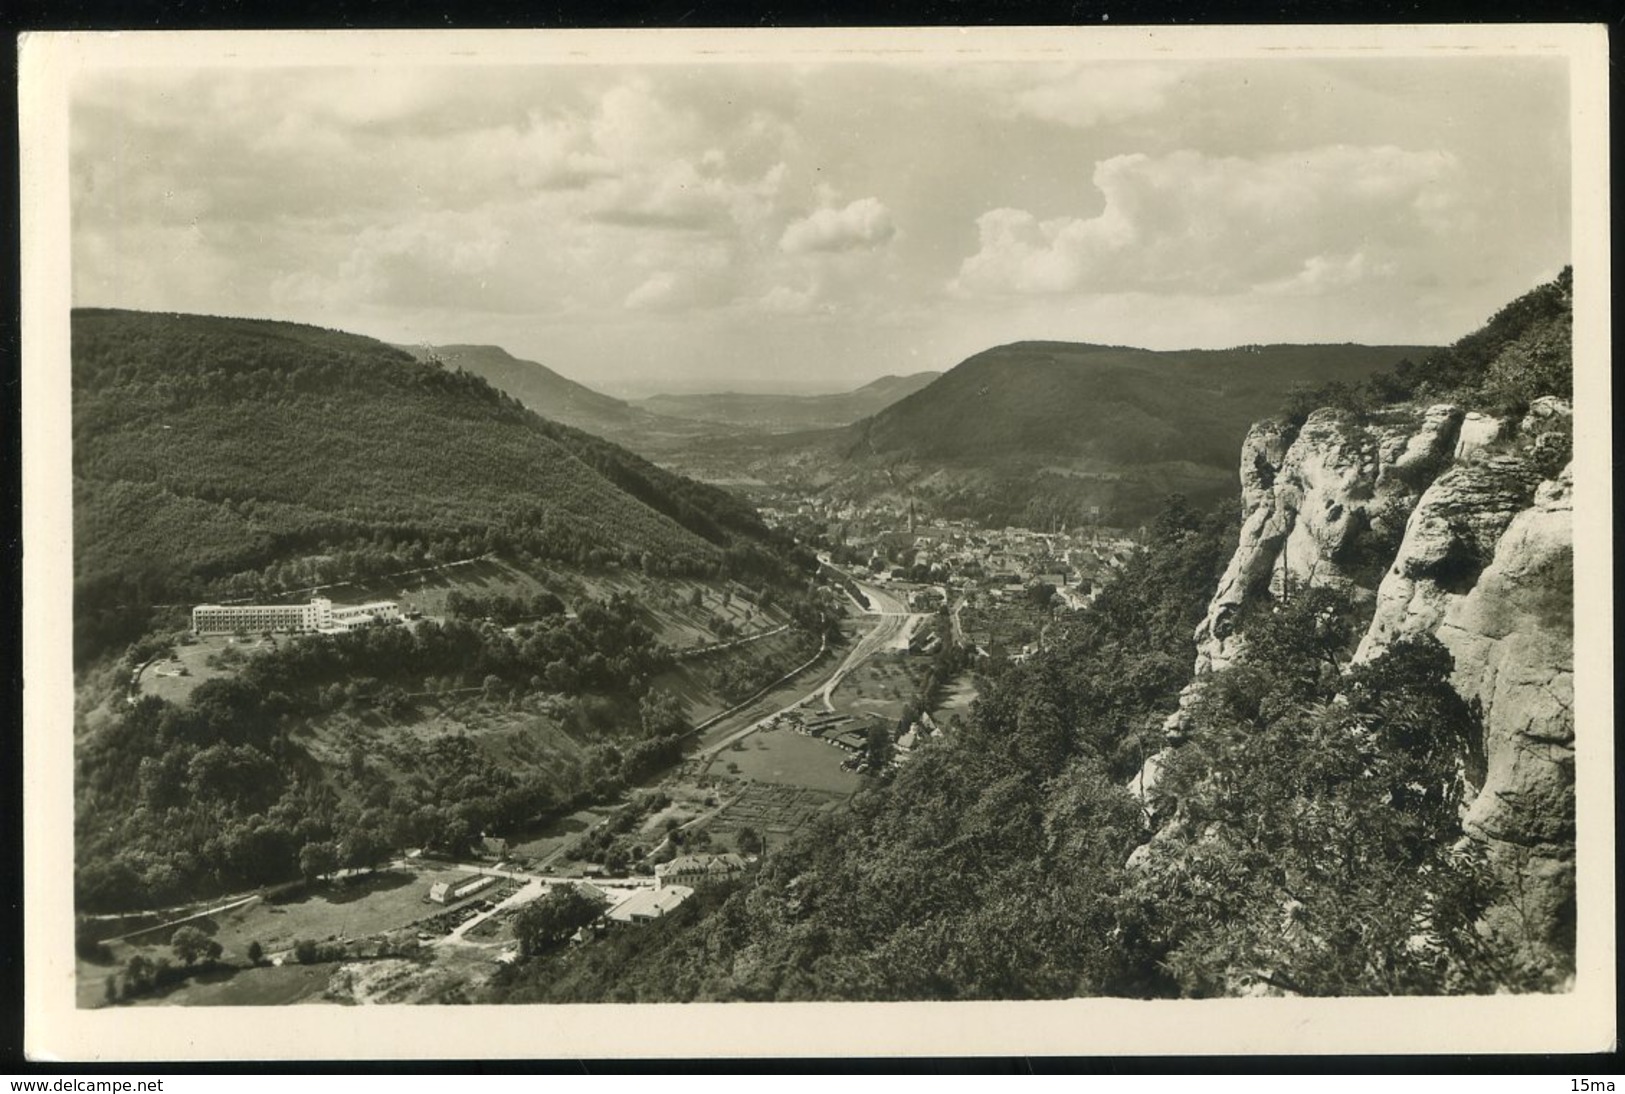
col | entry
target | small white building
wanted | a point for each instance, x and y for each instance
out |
(649, 904)
(450, 892)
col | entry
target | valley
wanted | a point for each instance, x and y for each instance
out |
(524, 716)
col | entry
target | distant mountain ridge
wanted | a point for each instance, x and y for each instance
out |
(790, 413)
(1045, 434)
(658, 423)
(1111, 428)
(1117, 404)
(554, 396)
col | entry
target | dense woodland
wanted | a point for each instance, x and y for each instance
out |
(280, 456)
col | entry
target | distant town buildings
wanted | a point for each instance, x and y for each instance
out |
(319, 616)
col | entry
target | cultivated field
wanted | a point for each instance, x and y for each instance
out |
(354, 908)
(426, 590)
(543, 845)
(773, 810)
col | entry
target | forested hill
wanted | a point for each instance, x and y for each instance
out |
(1115, 404)
(1044, 433)
(208, 450)
(556, 397)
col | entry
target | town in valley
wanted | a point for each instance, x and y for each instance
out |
(856, 529)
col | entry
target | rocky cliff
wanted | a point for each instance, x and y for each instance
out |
(1434, 519)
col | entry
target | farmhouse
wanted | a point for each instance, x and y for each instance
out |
(319, 615)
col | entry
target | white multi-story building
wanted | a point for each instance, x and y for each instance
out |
(319, 615)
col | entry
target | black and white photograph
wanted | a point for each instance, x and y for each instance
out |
(1059, 527)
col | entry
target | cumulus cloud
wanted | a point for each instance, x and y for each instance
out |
(1099, 94)
(684, 276)
(1324, 273)
(1190, 222)
(591, 202)
(661, 292)
(783, 300)
(442, 259)
(863, 225)
(691, 195)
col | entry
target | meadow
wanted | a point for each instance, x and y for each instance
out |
(787, 758)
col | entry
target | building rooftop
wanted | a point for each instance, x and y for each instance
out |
(650, 903)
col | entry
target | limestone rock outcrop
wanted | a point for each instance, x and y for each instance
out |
(1450, 537)
(1319, 508)
(1447, 523)
(1512, 637)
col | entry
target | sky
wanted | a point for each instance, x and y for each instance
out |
(783, 227)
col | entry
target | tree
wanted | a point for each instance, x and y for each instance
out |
(190, 944)
(316, 859)
(454, 835)
(306, 952)
(748, 840)
(256, 952)
(545, 923)
(364, 847)
(163, 973)
(138, 974)
(662, 714)
(1042, 595)
(878, 748)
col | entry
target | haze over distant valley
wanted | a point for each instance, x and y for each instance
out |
(656, 425)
